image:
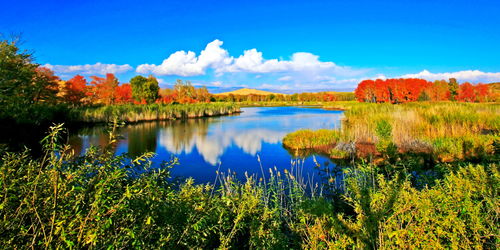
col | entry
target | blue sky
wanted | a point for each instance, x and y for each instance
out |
(287, 45)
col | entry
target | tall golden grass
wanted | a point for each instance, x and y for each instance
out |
(449, 130)
(151, 112)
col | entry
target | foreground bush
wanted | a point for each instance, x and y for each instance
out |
(105, 201)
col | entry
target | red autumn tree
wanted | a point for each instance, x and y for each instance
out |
(123, 94)
(103, 89)
(482, 92)
(365, 92)
(326, 97)
(466, 93)
(412, 88)
(75, 89)
(391, 90)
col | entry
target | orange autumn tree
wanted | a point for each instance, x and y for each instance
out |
(123, 94)
(473, 93)
(391, 90)
(483, 93)
(75, 89)
(103, 90)
(466, 93)
(412, 89)
(365, 92)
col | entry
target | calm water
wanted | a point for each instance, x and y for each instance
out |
(228, 142)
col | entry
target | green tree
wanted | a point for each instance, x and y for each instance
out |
(17, 72)
(453, 87)
(23, 84)
(145, 88)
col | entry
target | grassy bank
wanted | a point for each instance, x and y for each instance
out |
(447, 131)
(280, 103)
(103, 201)
(151, 112)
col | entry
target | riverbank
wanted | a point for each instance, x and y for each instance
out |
(25, 127)
(131, 113)
(280, 104)
(445, 131)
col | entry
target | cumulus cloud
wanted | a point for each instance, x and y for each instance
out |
(253, 62)
(184, 63)
(466, 75)
(214, 57)
(89, 69)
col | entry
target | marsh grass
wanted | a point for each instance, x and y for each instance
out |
(309, 139)
(449, 131)
(151, 112)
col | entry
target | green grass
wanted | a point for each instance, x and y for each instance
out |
(103, 201)
(447, 130)
(151, 112)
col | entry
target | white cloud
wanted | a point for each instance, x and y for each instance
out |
(214, 57)
(184, 63)
(89, 69)
(466, 75)
(252, 61)
(217, 83)
(285, 78)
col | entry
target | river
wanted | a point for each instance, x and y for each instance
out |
(224, 143)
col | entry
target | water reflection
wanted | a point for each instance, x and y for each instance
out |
(229, 142)
(142, 138)
(182, 140)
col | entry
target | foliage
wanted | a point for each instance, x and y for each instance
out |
(409, 90)
(184, 92)
(102, 90)
(17, 72)
(460, 211)
(98, 200)
(23, 84)
(144, 89)
(74, 90)
(124, 94)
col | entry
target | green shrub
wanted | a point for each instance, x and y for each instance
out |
(99, 200)
(383, 129)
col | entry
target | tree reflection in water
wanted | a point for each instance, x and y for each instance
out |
(233, 141)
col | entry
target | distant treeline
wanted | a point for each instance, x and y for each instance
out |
(411, 89)
(302, 97)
